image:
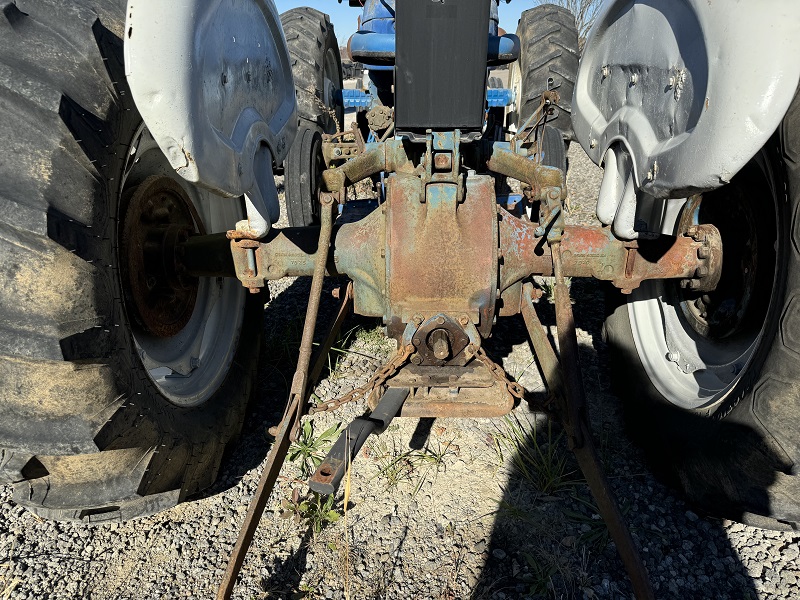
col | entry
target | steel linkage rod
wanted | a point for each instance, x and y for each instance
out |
(563, 379)
(280, 447)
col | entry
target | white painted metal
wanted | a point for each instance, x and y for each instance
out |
(690, 89)
(213, 82)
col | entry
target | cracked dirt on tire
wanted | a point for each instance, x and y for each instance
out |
(444, 508)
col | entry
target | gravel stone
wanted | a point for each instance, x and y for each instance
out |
(426, 532)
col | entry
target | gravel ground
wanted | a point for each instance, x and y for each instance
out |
(439, 508)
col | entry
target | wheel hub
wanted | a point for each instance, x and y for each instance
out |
(161, 296)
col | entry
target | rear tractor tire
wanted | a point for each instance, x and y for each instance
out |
(121, 385)
(710, 380)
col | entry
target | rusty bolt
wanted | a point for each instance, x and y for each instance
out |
(409, 348)
(443, 161)
(693, 284)
(539, 231)
(701, 271)
(699, 236)
(692, 231)
(416, 359)
(702, 252)
(440, 320)
(417, 341)
(471, 349)
(417, 320)
(463, 319)
(684, 283)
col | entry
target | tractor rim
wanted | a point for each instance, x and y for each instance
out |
(696, 347)
(185, 330)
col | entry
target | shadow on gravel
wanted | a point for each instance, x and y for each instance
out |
(548, 540)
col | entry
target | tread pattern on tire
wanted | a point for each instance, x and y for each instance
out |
(549, 49)
(82, 434)
(309, 36)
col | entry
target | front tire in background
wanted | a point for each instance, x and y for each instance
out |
(317, 72)
(711, 382)
(548, 60)
(117, 400)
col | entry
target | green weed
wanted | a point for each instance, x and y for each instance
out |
(309, 451)
(594, 534)
(316, 510)
(542, 463)
(548, 285)
(408, 466)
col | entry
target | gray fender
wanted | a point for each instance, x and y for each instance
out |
(213, 82)
(675, 96)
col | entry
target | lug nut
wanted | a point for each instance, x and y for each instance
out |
(673, 357)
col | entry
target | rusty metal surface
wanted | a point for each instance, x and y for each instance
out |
(280, 447)
(329, 473)
(472, 402)
(360, 251)
(160, 294)
(450, 333)
(596, 252)
(389, 156)
(542, 179)
(440, 252)
(473, 375)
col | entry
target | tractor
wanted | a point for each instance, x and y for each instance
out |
(137, 235)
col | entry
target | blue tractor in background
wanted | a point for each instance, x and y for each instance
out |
(456, 89)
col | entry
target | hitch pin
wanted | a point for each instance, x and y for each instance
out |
(330, 472)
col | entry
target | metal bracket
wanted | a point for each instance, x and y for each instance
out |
(329, 474)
